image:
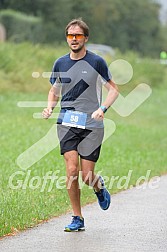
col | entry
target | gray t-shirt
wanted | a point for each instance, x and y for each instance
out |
(81, 84)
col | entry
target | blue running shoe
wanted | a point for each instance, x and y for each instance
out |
(103, 196)
(76, 225)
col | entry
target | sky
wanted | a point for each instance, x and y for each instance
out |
(163, 13)
(164, 3)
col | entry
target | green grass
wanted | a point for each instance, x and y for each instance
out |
(138, 144)
(19, 61)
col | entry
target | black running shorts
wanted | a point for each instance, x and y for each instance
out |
(87, 142)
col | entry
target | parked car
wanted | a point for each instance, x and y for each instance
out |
(103, 50)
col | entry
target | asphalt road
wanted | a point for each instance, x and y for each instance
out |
(135, 222)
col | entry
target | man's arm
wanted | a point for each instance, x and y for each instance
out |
(111, 97)
(53, 98)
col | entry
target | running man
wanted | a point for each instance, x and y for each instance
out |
(79, 76)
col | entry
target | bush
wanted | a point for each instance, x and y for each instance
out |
(20, 60)
(21, 27)
(145, 70)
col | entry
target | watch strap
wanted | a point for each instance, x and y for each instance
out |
(103, 108)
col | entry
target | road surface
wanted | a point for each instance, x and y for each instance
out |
(135, 222)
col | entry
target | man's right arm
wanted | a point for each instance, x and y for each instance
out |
(53, 98)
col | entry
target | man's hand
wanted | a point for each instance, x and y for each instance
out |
(98, 115)
(47, 113)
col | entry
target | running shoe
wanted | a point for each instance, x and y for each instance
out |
(76, 225)
(103, 196)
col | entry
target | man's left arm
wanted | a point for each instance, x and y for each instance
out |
(111, 97)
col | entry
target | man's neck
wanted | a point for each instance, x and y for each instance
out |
(78, 55)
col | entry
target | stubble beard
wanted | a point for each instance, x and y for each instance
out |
(78, 49)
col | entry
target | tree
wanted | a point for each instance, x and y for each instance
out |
(27, 6)
(128, 25)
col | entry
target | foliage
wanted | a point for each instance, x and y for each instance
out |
(135, 26)
(30, 7)
(145, 70)
(15, 23)
(127, 25)
(19, 61)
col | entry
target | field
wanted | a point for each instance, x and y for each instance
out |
(32, 194)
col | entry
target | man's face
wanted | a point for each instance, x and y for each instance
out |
(75, 38)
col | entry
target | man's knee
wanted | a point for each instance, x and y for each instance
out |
(72, 163)
(72, 171)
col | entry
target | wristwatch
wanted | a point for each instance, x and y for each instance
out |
(103, 108)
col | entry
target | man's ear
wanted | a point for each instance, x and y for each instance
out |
(86, 39)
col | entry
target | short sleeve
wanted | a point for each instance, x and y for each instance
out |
(103, 70)
(55, 73)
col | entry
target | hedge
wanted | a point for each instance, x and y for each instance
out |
(21, 27)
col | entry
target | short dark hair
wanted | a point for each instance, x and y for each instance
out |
(80, 23)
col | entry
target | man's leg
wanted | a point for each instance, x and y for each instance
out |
(88, 175)
(72, 170)
(96, 182)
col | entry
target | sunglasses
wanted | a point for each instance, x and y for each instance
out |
(77, 36)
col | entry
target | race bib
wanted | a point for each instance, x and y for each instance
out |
(74, 119)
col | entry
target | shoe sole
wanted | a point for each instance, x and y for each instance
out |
(77, 230)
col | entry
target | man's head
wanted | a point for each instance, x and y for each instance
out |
(77, 33)
(78, 22)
